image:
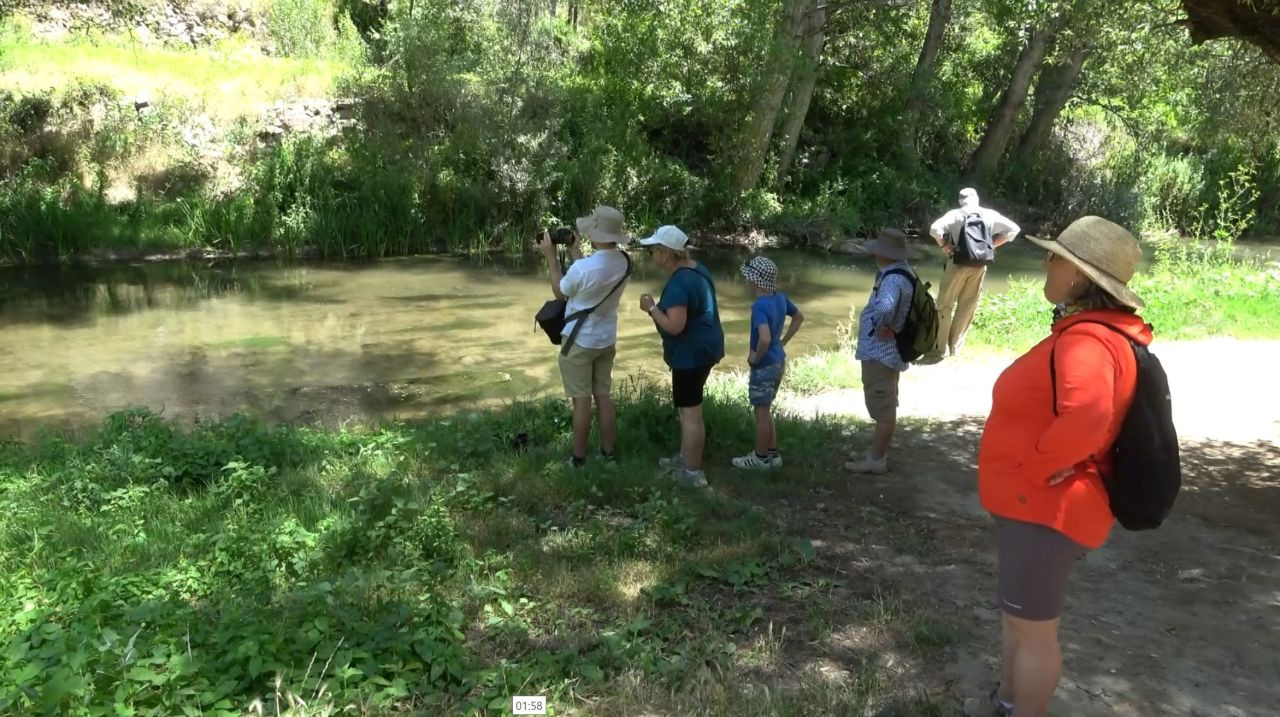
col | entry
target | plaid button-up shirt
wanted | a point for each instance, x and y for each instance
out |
(888, 306)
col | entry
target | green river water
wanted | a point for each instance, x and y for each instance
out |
(317, 341)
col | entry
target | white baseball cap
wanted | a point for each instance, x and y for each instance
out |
(669, 236)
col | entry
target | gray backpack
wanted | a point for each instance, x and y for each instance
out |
(975, 247)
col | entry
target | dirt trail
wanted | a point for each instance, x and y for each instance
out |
(1184, 620)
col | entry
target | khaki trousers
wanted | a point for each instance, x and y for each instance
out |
(957, 301)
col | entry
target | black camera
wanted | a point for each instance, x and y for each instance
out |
(560, 236)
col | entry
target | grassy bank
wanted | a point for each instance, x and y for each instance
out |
(1193, 291)
(225, 82)
(426, 567)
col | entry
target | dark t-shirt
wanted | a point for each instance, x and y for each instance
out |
(702, 341)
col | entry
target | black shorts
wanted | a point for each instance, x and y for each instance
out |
(687, 385)
(1034, 563)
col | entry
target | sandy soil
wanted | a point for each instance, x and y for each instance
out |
(1184, 620)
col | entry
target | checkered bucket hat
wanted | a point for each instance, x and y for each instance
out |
(762, 272)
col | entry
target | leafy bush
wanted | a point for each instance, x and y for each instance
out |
(230, 567)
(313, 28)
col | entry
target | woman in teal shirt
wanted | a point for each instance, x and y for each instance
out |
(688, 319)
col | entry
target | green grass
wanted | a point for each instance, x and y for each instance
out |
(226, 82)
(807, 375)
(252, 342)
(427, 567)
(1187, 297)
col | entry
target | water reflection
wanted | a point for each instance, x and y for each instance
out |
(317, 341)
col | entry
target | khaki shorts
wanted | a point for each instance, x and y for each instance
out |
(880, 389)
(587, 372)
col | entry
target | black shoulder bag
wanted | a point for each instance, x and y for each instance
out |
(552, 319)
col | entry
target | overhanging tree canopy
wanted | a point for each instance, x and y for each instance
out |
(1255, 21)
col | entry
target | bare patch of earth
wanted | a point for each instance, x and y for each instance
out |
(1184, 620)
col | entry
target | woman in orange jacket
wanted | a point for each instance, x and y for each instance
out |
(1040, 463)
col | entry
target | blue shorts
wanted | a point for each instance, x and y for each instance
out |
(764, 383)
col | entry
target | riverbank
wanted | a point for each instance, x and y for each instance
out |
(449, 564)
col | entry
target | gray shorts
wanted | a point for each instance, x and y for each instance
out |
(1034, 564)
(763, 385)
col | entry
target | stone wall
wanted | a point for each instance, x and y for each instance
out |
(182, 22)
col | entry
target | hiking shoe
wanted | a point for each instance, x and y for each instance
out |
(670, 462)
(753, 462)
(693, 479)
(574, 463)
(1002, 708)
(869, 466)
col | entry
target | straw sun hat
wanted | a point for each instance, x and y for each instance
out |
(1105, 251)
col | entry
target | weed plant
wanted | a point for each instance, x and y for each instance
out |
(440, 566)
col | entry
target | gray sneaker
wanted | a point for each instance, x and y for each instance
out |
(693, 479)
(671, 462)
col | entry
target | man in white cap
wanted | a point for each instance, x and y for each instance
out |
(968, 237)
(593, 284)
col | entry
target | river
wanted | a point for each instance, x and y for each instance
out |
(326, 341)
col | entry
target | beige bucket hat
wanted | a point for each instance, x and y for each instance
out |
(604, 225)
(890, 244)
(1105, 251)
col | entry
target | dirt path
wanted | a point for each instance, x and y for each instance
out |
(1184, 620)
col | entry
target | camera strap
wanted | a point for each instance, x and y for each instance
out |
(580, 316)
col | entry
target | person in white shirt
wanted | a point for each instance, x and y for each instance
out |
(961, 280)
(587, 367)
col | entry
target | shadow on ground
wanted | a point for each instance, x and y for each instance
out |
(1147, 630)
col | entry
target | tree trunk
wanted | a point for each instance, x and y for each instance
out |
(939, 18)
(806, 79)
(1052, 92)
(764, 115)
(996, 138)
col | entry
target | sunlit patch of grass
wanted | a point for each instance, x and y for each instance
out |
(1186, 298)
(252, 342)
(633, 577)
(226, 82)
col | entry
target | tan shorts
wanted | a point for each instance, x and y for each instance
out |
(587, 372)
(880, 389)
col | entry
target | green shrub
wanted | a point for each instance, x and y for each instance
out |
(313, 29)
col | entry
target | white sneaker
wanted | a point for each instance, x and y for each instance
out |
(869, 466)
(776, 459)
(753, 462)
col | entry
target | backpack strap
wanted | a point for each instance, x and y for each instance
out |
(579, 316)
(1053, 367)
(715, 301)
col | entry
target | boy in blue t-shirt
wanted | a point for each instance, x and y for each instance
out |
(768, 359)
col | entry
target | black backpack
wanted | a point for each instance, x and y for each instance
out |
(551, 317)
(975, 247)
(920, 332)
(1147, 469)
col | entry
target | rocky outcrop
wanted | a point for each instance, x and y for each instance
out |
(317, 116)
(181, 22)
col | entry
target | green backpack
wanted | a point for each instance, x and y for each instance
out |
(920, 333)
